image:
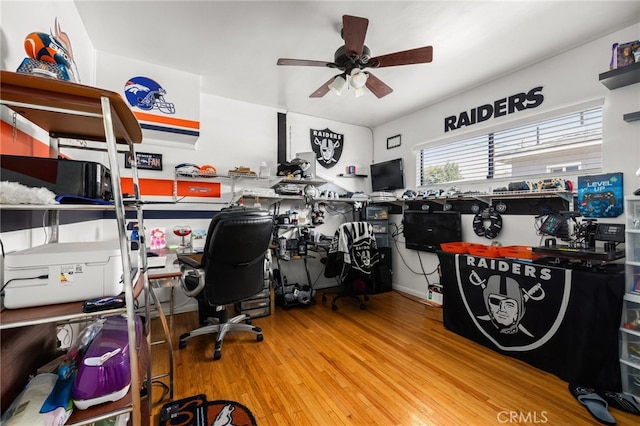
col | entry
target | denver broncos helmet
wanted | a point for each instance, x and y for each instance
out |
(147, 94)
(47, 48)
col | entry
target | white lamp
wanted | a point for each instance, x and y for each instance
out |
(338, 85)
(357, 80)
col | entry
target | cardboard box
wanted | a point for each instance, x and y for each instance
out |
(433, 312)
(434, 295)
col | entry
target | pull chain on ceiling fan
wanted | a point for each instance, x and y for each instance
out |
(354, 57)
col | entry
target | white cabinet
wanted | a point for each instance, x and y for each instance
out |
(630, 330)
(69, 110)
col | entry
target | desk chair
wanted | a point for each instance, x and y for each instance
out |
(231, 270)
(351, 259)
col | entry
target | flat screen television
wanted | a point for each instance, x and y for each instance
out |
(387, 176)
(425, 231)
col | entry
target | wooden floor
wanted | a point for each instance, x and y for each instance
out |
(386, 365)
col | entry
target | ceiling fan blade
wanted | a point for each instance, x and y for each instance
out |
(420, 55)
(377, 86)
(305, 63)
(354, 30)
(324, 89)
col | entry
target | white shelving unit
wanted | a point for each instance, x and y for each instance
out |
(230, 179)
(630, 329)
(74, 111)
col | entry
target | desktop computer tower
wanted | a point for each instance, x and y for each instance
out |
(382, 281)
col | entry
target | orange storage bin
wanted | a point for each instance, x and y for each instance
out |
(461, 247)
(484, 250)
(518, 252)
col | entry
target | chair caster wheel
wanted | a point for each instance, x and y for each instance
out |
(334, 307)
(182, 344)
(217, 355)
(259, 337)
(366, 298)
(363, 306)
(324, 298)
(248, 321)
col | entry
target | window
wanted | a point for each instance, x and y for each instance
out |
(565, 143)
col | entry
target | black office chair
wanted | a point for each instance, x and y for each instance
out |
(231, 270)
(351, 259)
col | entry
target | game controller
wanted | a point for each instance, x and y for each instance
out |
(554, 183)
(591, 197)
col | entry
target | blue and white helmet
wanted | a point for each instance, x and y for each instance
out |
(147, 94)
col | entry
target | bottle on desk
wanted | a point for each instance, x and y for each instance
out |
(302, 247)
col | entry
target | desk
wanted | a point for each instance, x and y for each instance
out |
(168, 276)
(562, 321)
(586, 255)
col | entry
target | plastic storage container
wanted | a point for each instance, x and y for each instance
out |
(456, 247)
(484, 250)
(518, 252)
(104, 374)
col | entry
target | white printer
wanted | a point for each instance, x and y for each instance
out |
(61, 273)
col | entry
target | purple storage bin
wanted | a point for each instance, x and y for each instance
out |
(104, 374)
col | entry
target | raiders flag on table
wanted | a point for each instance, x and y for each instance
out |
(517, 306)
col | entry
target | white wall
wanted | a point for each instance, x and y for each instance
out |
(18, 19)
(239, 134)
(567, 79)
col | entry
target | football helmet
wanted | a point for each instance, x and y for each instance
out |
(47, 48)
(147, 94)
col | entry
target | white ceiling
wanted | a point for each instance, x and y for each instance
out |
(234, 45)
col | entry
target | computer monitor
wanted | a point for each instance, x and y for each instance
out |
(387, 176)
(425, 231)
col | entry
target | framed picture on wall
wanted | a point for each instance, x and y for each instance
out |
(394, 141)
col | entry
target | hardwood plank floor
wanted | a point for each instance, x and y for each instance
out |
(386, 365)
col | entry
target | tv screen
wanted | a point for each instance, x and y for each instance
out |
(425, 231)
(387, 176)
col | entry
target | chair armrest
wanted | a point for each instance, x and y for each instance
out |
(192, 281)
(189, 262)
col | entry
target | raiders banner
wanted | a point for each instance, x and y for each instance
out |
(500, 296)
(564, 321)
(327, 145)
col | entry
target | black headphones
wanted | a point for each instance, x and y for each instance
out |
(494, 220)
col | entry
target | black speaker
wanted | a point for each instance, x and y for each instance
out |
(383, 272)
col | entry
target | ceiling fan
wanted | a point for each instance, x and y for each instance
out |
(354, 57)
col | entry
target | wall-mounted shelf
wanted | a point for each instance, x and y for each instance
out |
(621, 77)
(632, 116)
(352, 175)
(503, 195)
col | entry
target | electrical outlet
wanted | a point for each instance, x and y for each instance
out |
(64, 334)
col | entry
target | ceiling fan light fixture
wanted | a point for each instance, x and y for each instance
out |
(358, 78)
(360, 91)
(338, 85)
